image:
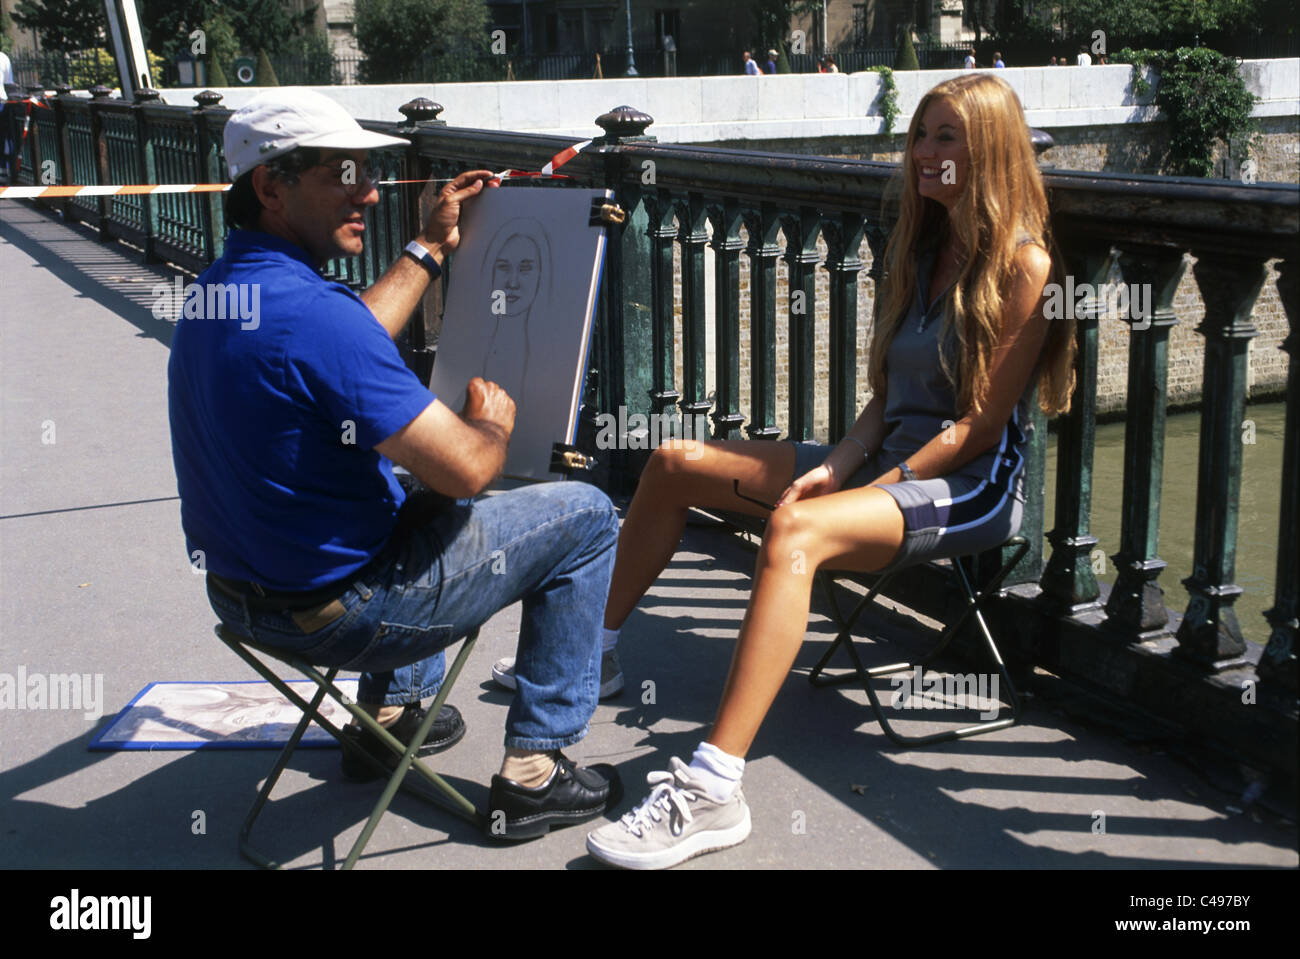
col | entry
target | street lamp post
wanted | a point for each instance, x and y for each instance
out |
(631, 61)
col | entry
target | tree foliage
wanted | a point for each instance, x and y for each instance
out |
(436, 40)
(64, 24)
(256, 24)
(307, 59)
(1133, 21)
(905, 59)
(265, 72)
(221, 43)
(1204, 98)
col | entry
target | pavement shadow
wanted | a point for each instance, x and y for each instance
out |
(154, 820)
(111, 275)
(941, 800)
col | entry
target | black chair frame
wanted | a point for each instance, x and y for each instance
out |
(974, 599)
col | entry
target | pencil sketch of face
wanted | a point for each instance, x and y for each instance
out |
(517, 273)
(517, 268)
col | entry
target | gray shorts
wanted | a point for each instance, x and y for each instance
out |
(953, 515)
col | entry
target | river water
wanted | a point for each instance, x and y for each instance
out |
(1257, 531)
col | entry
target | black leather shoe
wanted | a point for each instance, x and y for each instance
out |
(573, 794)
(447, 730)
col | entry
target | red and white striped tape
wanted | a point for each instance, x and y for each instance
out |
(42, 192)
(130, 189)
(564, 156)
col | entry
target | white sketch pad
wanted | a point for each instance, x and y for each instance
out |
(521, 296)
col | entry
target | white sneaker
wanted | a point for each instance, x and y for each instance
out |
(611, 674)
(676, 822)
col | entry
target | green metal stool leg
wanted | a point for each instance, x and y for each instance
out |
(245, 846)
(465, 807)
(455, 802)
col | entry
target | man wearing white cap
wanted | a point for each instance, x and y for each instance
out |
(287, 416)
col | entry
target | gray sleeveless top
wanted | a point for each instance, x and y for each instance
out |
(919, 401)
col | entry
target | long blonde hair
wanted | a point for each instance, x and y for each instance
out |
(1004, 199)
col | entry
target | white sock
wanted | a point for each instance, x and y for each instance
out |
(608, 640)
(718, 772)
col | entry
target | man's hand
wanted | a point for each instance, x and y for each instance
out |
(457, 454)
(487, 403)
(396, 293)
(442, 231)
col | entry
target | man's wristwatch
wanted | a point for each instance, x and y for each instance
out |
(907, 472)
(424, 258)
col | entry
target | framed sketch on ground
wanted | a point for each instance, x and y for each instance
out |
(521, 298)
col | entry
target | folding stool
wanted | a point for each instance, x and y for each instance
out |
(456, 803)
(1019, 545)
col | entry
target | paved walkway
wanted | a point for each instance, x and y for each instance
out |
(94, 579)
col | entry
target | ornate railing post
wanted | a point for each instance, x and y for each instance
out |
(1069, 585)
(1277, 665)
(843, 239)
(1229, 284)
(692, 216)
(32, 140)
(100, 94)
(144, 161)
(727, 245)
(419, 115)
(662, 232)
(61, 137)
(1136, 605)
(627, 289)
(207, 169)
(802, 257)
(762, 251)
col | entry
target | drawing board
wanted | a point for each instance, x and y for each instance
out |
(521, 297)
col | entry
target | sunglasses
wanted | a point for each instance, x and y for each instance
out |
(353, 177)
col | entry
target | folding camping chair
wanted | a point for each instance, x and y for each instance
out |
(1018, 545)
(456, 803)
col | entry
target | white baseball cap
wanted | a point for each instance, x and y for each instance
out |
(277, 121)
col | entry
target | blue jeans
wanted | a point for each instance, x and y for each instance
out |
(549, 545)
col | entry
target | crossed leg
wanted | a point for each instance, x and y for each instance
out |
(858, 529)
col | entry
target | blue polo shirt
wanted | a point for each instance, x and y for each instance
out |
(275, 410)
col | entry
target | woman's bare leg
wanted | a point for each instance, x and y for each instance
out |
(677, 478)
(859, 529)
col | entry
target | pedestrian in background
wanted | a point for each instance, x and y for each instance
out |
(751, 67)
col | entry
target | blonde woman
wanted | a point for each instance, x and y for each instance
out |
(934, 466)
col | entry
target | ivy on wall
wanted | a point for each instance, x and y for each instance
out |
(1204, 98)
(889, 98)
